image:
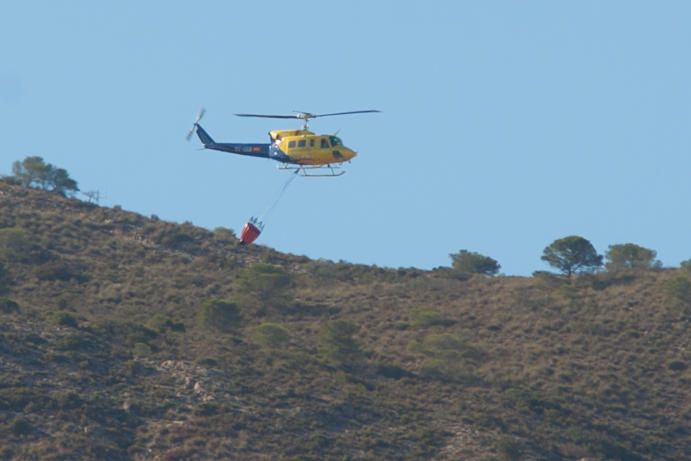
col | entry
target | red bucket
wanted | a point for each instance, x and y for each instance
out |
(249, 233)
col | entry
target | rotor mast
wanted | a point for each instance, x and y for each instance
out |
(306, 116)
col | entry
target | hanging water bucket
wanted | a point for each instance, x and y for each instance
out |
(249, 233)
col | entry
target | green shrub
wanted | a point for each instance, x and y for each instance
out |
(59, 270)
(134, 368)
(161, 322)
(629, 256)
(679, 288)
(209, 362)
(19, 398)
(392, 371)
(264, 285)
(67, 400)
(271, 336)
(336, 342)
(224, 235)
(16, 246)
(430, 317)
(677, 365)
(73, 342)
(181, 237)
(218, 314)
(474, 263)
(548, 279)
(128, 333)
(686, 265)
(509, 450)
(141, 350)
(447, 356)
(5, 280)
(435, 343)
(63, 318)
(21, 426)
(8, 306)
(12, 181)
(207, 409)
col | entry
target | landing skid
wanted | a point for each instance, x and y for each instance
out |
(314, 171)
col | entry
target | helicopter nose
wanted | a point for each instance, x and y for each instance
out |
(351, 154)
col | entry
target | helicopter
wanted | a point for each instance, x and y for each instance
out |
(300, 151)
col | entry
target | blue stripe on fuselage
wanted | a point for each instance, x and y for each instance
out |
(251, 150)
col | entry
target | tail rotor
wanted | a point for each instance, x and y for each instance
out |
(200, 114)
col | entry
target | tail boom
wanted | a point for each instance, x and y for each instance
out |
(251, 150)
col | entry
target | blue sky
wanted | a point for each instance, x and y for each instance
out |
(505, 125)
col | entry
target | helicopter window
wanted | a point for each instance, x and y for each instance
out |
(291, 144)
(324, 143)
(302, 143)
(335, 141)
(311, 142)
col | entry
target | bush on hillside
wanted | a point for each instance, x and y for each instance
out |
(161, 323)
(10, 180)
(124, 332)
(60, 271)
(174, 238)
(686, 265)
(264, 286)
(447, 356)
(271, 336)
(336, 342)
(21, 426)
(629, 256)
(429, 317)
(225, 236)
(548, 279)
(7, 306)
(509, 449)
(5, 280)
(218, 314)
(141, 350)
(17, 247)
(474, 263)
(63, 318)
(679, 288)
(74, 342)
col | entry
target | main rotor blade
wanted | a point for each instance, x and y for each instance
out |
(308, 115)
(346, 113)
(267, 116)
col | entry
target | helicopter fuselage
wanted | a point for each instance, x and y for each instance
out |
(307, 148)
(298, 147)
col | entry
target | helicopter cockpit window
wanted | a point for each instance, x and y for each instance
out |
(302, 143)
(324, 143)
(291, 144)
(335, 141)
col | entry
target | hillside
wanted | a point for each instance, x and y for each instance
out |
(106, 353)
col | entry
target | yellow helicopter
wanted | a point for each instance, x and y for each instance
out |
(300, 151)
